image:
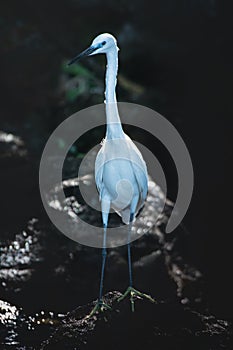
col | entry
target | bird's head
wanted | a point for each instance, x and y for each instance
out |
(103, 43)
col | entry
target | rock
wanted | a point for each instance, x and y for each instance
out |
(20, 331)
(161, 326)
(19, 256)
(8, 323)
(18, 185)
(12, 146)
(40, 265)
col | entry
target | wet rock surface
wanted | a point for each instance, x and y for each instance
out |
(18, 184)
(44, 275)
(161, 325)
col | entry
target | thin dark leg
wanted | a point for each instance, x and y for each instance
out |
(105, 206)
(104, 254)
(101, 306)
(131, 291)
(129, 252)
(130, 266)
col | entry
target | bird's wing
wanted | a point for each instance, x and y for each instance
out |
(99, 162)
(140, 171)
(142, 181)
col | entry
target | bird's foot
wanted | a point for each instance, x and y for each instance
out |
(99, 307)
(132, 292)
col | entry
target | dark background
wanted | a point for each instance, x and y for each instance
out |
(175, 58)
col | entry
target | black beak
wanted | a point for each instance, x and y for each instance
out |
(86, 52)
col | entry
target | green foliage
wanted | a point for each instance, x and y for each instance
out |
(73, 149)
(77, 69)
(80, 80)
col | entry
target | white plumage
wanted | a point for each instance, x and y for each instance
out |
(121, 176)
(120, 171)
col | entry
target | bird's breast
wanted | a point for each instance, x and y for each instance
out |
(119, 182)
(120, 172)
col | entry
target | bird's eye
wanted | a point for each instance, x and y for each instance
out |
(103, 43)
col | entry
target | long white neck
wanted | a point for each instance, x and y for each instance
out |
(114, 127)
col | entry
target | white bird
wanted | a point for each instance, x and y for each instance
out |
(120, 171)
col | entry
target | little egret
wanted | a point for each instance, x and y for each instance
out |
(120, 171)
